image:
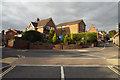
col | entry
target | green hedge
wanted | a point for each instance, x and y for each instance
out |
(89, 37)
(32, 36)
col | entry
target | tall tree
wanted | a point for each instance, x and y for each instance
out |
(51, 34)
(54, 39)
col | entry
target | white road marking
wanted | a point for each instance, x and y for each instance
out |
(62, 73)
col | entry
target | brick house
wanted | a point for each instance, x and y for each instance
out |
(100, 35)
(43, 26)
(11, 33)
(116, 39)
(77, 26)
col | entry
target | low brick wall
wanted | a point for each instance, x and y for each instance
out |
(10, 44)
(20, 44)
(57, 47)
(72, 47)
(32, 46)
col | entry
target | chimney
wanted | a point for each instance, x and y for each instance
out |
(9, 29)
(38, 19)
(92, 26)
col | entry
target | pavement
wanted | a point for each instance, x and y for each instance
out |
(95, 62)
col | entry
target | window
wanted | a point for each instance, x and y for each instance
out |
(31, 28)
(82, 26)
(48, 27)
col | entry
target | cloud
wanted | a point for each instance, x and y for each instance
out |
(18, 15)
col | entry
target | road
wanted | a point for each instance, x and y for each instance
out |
(81, 64)
(110, 51)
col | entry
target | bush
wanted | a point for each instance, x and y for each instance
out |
(51, 34)
(91, 37)
(54, 40)
(110, 35)
(32, 36)
(66, 39)
(78, 36)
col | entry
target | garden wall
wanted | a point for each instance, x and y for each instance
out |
(18, 44)
(32, 46)
(10, 44)
(57, 47)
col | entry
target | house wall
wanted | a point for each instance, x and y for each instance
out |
(82, 29)
(10, 36)
(51, 24)
(74, 28)
(30, 27)
(40, 30)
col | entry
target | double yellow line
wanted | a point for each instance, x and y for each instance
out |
(8, 70)
(113, 69)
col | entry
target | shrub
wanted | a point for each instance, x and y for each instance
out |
(78, 36)
(51, 34)
(110, 35)
(91, 37)
(71, 36)
(54, 40)
(32, 36)
(66, 39)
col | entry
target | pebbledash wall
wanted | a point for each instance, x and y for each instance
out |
(21, 44)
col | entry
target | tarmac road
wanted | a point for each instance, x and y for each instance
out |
(56, 72)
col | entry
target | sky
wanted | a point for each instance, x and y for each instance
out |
(18, 14)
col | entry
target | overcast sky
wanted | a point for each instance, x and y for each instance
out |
(18, 15)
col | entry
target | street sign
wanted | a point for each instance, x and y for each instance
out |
(60, 37)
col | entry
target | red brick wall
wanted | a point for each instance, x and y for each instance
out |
(10, 44)
(20, 44)
(10, 36)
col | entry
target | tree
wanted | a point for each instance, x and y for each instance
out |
(51, 34)
(66, 39)
(54, 39)
(71, 36)
(32, 36)
(113, 32)
(110, 35)
(91, 37)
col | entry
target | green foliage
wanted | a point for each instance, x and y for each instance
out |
(112, 32)
(78, 36)
(66, 39)
(71, 36)
(32, 36)
(51, 34)
(110, 35)
(91, 37)
(54, 40)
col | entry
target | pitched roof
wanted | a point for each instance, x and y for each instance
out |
(117, 34)
(41, 22)
(92, 29)
(17, 31)
(69, 23)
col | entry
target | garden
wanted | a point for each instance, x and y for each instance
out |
(37, 40)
